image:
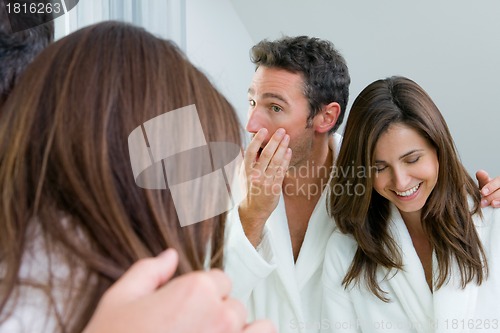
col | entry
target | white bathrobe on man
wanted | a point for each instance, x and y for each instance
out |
(412, 306)
(268, 281)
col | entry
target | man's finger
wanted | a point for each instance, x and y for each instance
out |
(280, 175)
(491, 193)
(270, 149)
(277, 159)
(483, 179)
(253, 148)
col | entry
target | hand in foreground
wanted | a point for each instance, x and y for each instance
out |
(143, 301)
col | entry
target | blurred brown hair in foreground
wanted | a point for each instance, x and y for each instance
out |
(69, 207)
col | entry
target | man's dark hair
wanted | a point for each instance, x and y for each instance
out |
(323, 68)
(18, 49)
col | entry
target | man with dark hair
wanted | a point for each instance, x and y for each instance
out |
(18, 49)
(325, 74)
(276, 239)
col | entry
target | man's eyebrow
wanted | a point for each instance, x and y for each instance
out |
(276, 96)
(269, 95)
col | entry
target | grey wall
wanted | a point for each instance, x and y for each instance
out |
(218, 43)
(450, 47)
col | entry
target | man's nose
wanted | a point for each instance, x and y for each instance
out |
(255, 122)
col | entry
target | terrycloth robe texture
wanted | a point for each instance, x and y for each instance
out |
(268, 281)
(412, 306)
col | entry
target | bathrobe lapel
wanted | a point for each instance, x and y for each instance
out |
(409, 285)
(446, 304)
(312, 252)
(282, 247)
(295, 276)
(319, 230)
(451, 302)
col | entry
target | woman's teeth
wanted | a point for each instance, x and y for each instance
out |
(409, 192)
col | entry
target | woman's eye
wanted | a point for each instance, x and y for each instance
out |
(276, 108)
(251, 102)
(415, 160)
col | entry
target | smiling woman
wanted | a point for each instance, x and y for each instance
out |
(407, 169)
(418, 237)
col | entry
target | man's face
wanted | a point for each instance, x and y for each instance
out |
(276, 100)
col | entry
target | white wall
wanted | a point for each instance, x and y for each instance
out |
(450, 47)
(219, 44)
(164, 18)
(210, 32)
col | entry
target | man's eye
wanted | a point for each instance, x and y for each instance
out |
(380, 168)
(251, 102)
(276, 108)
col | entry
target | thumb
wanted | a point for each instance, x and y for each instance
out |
(483, 178)
(145, 276)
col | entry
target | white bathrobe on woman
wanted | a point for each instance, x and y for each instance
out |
(412, 306)
(268, 281)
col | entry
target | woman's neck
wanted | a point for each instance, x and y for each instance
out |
(421, 243)
(413, 222)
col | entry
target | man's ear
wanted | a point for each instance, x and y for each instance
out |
(326, 118)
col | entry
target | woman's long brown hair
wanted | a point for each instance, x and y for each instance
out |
(446, 217)
(65, 168)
